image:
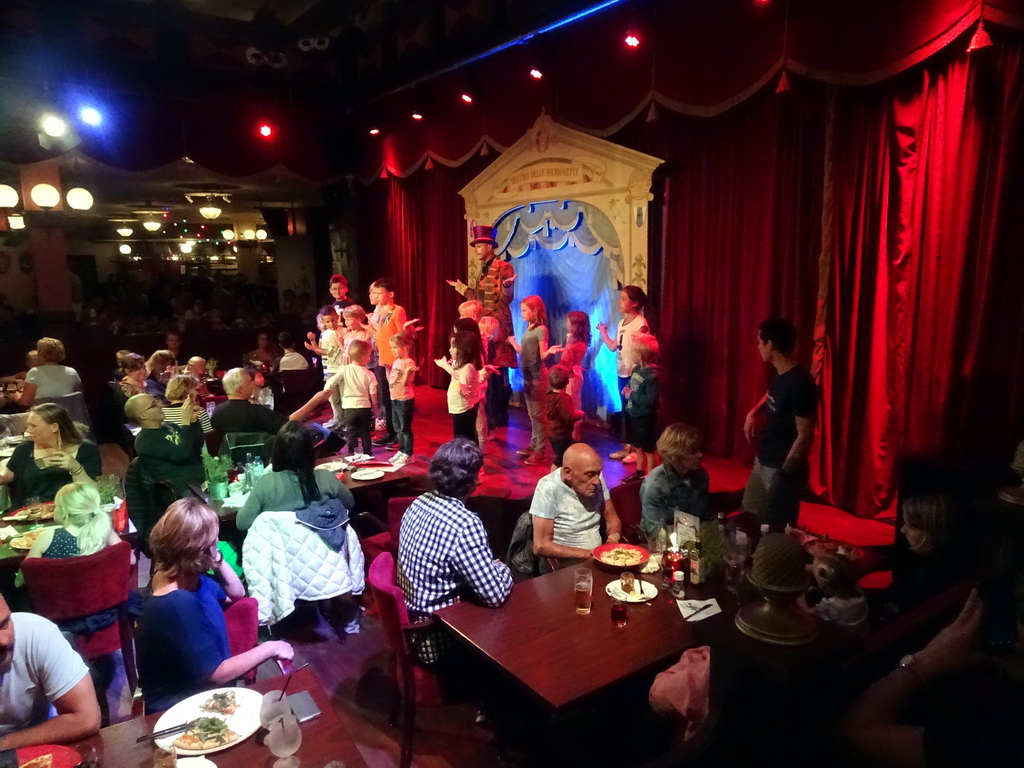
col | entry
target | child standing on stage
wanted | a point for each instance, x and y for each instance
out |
(329, 348)
(642, 394)
(357, 388)
(562, 417)
(403, 371)
(464, 389)
(532, 351)
(577, 342)
(632, 301)
(387, 320)
(357, 330)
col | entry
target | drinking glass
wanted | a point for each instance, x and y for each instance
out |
(618, 612)
(733, 570)
(583, 586)
(284, 740)
(165, 757)
(273, 706)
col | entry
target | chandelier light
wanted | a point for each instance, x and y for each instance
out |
(8, 196)
(124, 231)
(79, 198)
(152, 225)
(124, 248)
(45, 195)
(210, 212)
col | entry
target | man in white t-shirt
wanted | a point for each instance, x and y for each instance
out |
(39, 668)
(568, 507)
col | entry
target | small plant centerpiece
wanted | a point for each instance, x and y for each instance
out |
(216, 469)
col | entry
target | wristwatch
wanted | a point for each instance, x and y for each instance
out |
(907, 663)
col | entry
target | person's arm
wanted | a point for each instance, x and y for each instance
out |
(514, 344)
(461, 287)
(466, 375)
(27, 398)
(490, 579)
(226, 577)
(656, 510)
(609, 342)
(253, 505)
(544, 541)
(801, 447)
(507, 276)
(871, 724)
(372, 386)
(612, 524)
(44, 540)
(312, 345)
(83, 468)
(749, 421)
(234, 667)
(444, 363)
(303, 413)
(78, 717)
(543, 342)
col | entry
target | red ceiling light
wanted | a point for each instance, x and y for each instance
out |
(417, 116)
(266, 130)
(374, 131)
(632, 39)
(466, 98)
(536, 74)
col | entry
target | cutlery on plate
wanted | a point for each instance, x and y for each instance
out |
(165, 732)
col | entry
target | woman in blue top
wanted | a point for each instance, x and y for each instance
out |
(182, 637)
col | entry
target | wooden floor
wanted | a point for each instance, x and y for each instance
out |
(354, 672)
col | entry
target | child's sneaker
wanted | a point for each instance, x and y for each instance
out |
(400, 459)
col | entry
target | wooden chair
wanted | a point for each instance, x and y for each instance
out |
(71, 588)
(415, 684)
(626, 498)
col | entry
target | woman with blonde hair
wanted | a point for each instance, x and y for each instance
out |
(679, 482)
(183, 392)
(50, 378)
(182, 637)
(84, 529)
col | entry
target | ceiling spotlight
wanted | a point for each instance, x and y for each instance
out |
(249, 234)
(466, 98)
(90, 116)
(227, 234)
(8, 196)
(124, 248)
(79, 199)
(536, 74)
(417, 116)
(210, 212)
(632, 40)
(261, 234)
(53, 126)
(125, 231)
(266, 130)
(45, 195)
(175, 257)
(374, 131)
(186, 248)
(152, 225)
(16, 221)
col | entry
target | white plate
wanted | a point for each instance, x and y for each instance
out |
(6, 453)
(15, 439)
(333, 466)
(196, 762)
(367, 474)
(614, 589)
(245, 721)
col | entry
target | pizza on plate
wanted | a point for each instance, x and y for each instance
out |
(222, 703)
(39, 512)
(206, 733)
(43, 761)
(26, 540)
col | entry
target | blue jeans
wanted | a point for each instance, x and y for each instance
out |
(401, 412)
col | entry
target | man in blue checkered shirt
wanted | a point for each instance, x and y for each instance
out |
(443, 553)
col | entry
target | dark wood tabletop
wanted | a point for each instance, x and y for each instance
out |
(537, 638)
(323, 739)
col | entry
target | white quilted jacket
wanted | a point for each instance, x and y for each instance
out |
(286, 561)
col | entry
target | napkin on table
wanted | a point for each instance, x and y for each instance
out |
(687, 607)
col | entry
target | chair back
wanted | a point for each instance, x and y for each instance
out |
(626, 498)
(396, 511)
(74, 404)
(74, 587)
(147, 500)
(295, 388)
(238, 444)
(241, 619)
(390, 601)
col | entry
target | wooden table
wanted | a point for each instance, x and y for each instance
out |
(538, 640)
(323, 738)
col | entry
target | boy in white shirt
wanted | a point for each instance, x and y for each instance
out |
(356, 388)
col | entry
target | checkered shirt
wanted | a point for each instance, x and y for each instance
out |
(443, 554)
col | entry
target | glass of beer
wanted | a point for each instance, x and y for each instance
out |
(165, 757)
(584, 586)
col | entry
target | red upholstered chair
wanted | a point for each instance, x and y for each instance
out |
(416, 685)
(626, 498)
(74, 587)
(387, 541)
(242, 619)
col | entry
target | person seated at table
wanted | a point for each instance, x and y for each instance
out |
(265, 354)
(290, 360)
(50, 378)
(196, 367)
(836, 596)
(237, 414)
(40, 669)
(31, 361)
(56, 453)
(169, 452)
(938, 556)
(678, 483)
(183, 395)
(173, 343)
(83, 527)
(133, 381)
(292, 482)
(443, 553)
(182, 638)
(568, 508)
(159, 369)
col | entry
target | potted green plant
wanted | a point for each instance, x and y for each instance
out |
(216, 469)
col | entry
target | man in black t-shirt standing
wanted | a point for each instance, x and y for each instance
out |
(784, 440)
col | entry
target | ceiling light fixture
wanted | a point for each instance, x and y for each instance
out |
(210, 212)
(16, 221)
(90, 116)
(374, 131)
(417, 116)
(261, 234)
(124, 248)
(8, 196)
(186, 248)
(152, 225)
(536, 74)
(79, 198)
(466, 98)
(53, 126)
(45, 195)
(249, 234)
(227, 234)
(124, 231)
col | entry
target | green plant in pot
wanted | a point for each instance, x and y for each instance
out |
(216, 469)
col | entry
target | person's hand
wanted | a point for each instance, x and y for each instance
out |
(555, 349)
(64, 461)
(321, 397)
(309, 345)
(748, 427)
(626, 391)
(440, 361)
(452, 283)
(578, 414)
(311, 336)
(411, 324)
(491, 369)
(508, 282)
(954, 646)
(282, 650)
(511, 340)
(602, 326)
(189, 413)
(413, 368)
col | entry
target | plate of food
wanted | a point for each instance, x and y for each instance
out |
(218, 719)
(364, 475)
(621, 557)
(631, 589)
(817, 547)
(339, 465)
(48, 756)
(34, 513)
(25, 541)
